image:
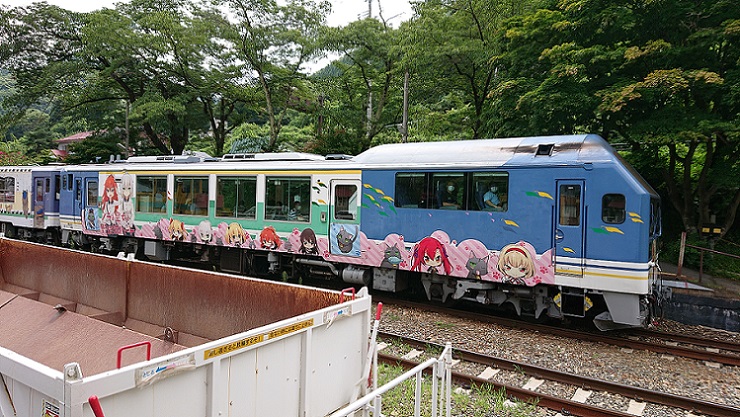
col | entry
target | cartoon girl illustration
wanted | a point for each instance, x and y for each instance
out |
(235, 235)
(269, 238)
(177, 230)
(430, 253)
(205, 233)
(127, 204)
(516, 264)
(308, 242)
(109, 205)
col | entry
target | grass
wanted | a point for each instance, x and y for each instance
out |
(479, 401)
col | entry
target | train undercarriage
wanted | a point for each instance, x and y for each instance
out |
(608, 310)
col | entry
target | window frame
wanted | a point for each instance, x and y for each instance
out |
(352, 203)
(220, 196)
(606, 216)
(297, 188)
(154, 190)
(428, 194)
(190, 203)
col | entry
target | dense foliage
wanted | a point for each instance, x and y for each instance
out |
(660, 79)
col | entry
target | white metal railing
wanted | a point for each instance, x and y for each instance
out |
(370, 404)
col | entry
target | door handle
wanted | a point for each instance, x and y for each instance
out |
(559, 235)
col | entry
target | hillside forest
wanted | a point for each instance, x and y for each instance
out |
(658, 79)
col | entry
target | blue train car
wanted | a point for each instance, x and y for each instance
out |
(79, 202)
(548, 224)
(30, 202)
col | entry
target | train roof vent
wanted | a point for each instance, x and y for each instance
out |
(276, 156)
(177, 159)
(338, 157)
(545, 149)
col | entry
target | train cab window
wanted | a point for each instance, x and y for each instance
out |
(613, 208)
(69, 182)
(345, 202)
(570, 205)
(191, 196)
(411, 190)
(57, 186)
(48, 185)
(449, 190)
(288, 198)
(489, 191)
(236, 197)
(92, 194)
(151, 194)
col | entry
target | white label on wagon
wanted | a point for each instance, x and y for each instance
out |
(150, 374)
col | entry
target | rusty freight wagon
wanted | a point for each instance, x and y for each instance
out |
(151, 340)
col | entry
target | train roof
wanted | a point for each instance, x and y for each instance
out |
(538, 150)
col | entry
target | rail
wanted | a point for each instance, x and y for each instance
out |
(701, 250)
(441, 389)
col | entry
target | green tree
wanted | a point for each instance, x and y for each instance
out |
(362, 91)
(275, 41)
(659, 76)
(163, 59)
(450, 47)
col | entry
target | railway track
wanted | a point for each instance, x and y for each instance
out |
(577, 405)
(707, 350)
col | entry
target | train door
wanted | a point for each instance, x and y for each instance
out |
(87, 199)
(38, 203)
(570, 227)
(344, 218)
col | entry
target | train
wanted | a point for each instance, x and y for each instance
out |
(549, 226)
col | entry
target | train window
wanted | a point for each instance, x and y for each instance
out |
(48, 185)
(64, 183)
(7, 190)
(345, 202)
(613, 208)
(57, 187)
(92, 194)
(236, 197)
(151, 194)
(449, 190)
(570, 205)
(78, 184)
(411, 190)
(288, 198)
(191, 195)
(489, 191)
(69, 182)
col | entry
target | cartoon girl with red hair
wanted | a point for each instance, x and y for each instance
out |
(109, 205)
(269, 238)
(516, 264)
(430, 253)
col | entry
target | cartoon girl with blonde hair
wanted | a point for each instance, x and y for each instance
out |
(516, 264)
(177, 230)
(235, 235)
(430, 253)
